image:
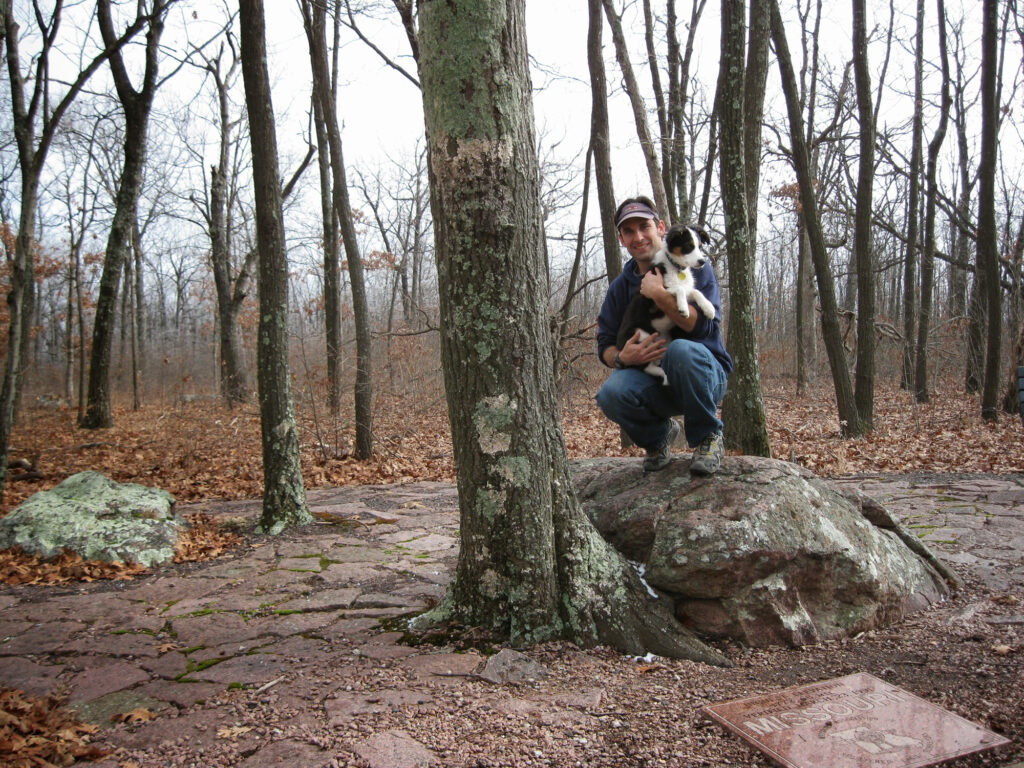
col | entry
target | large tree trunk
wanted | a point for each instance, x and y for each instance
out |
(988, 257)
(928, 256)
(531, 567)
(284, 495)
(862, 245)
(845, 403)
(746, 426)
(137, 106)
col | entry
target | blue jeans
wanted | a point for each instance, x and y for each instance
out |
(642, 405)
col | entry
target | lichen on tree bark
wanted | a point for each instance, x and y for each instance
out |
(531, 567)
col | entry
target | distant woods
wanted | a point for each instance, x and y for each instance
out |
(858, 166)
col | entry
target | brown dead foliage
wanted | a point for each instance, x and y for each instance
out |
(39, 732)
(203, 450)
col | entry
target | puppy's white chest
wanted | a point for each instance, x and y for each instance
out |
(678, 280)
(679, 283)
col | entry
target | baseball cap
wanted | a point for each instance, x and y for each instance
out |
(636, 210)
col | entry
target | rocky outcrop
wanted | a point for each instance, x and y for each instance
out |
(763, 551)
(97, 518)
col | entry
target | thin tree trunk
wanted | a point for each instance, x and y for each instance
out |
(332, 287)
(806, 360)
(910, 287)
(600, 141)
(928, 256)
(643, 131)
(284, 495)
(136, 106)
(988, 257)
(743, 409)
(315, 19)
(862, 241)
(845, 402)
(233, 378)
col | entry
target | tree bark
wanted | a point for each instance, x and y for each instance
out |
(862, 241)
(233, 379)
(928, 256)
(531, 567)
(136, 106)
(314, 16)
(988, 257)
(910, 287)
(32, 152)
(284, 495)
(643, 131)
(746, 426)
(600, 141)
(845, 402)
(332, 275)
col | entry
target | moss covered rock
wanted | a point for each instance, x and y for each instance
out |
(98, 519)
(763, 551)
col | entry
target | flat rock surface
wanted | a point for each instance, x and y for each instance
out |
(274, 653)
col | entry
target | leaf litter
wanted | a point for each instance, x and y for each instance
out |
(203, 450)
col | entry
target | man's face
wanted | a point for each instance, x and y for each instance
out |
(641, 237)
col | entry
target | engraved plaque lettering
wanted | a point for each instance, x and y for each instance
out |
(857, 721)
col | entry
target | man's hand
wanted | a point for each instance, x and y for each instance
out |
(637, 352)
(653, 287)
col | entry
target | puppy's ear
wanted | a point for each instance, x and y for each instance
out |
(704, 237)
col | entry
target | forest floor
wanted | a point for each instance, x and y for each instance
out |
(379, 706)
(202, 450)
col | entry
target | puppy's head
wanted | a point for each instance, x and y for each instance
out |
(684, 246)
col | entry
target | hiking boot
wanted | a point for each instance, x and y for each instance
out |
(707, 456)
(659, 458)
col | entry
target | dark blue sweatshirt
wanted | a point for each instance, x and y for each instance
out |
(707, 332)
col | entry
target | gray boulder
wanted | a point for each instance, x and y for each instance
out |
(99, 519)
(763, 551)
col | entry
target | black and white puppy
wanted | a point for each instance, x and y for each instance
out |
(681, 251)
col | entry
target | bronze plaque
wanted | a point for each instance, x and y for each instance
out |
(857, 721)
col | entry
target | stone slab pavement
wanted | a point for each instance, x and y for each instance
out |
(297, 619)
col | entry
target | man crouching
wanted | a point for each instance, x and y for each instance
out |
(695, 360)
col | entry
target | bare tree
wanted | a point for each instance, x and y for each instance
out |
(988, 257)
(314, 19)
(740, 101)
(647, 144)
(284, 495)
(845, 402)
(600, 140)
(910, 280)
(931, 203)
(232, 283)
(136, 106)
(862, 234)
(32, 112)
